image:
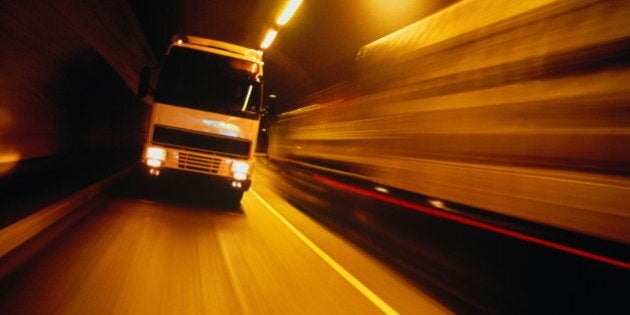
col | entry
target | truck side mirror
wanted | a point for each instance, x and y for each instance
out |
(144, 85)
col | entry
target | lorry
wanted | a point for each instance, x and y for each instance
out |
(508, 107)
(205, 114)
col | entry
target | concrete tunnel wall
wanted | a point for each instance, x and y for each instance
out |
(68, 77)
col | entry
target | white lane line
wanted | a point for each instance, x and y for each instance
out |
(332, 263)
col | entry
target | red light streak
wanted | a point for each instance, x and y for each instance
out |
(481, 225)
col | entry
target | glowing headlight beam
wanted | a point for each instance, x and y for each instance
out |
(240, 170)
(156, 154)
(240, 167)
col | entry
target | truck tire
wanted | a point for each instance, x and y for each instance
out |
(233, 197)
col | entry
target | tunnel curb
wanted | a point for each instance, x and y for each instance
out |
(17, 236)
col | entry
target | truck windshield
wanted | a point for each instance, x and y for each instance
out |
(210, 82)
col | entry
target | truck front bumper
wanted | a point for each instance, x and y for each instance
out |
(223, 181)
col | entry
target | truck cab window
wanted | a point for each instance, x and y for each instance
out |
(209, 82)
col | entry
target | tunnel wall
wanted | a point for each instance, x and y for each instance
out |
(68, 72)
(516, 108)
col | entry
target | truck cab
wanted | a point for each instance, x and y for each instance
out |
(206, 112)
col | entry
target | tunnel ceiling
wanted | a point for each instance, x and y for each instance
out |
(314, 50)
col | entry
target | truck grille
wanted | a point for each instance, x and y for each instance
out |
(201, 142)
(198, 163)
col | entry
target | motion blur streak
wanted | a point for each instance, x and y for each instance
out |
(452, 217)
(517, 108)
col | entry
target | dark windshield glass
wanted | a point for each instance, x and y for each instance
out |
(209, 82)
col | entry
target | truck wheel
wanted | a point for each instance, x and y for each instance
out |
(233, 197)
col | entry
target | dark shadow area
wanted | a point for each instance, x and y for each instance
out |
(100, 121)
(96, 107)
(158, 22)
(186, 190)
(37, 183)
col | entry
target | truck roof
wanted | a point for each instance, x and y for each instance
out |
(249, 53)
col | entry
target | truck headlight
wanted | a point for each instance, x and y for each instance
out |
(154, 163)
(156, 154)
(240, 170)
(240, 167)
(154, 157)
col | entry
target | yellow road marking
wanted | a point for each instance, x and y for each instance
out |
(331, 262)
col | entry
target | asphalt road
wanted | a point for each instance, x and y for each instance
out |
(171, 248)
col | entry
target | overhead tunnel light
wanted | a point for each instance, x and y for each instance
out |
(288, 12)
(282, 19)
(271, 35)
